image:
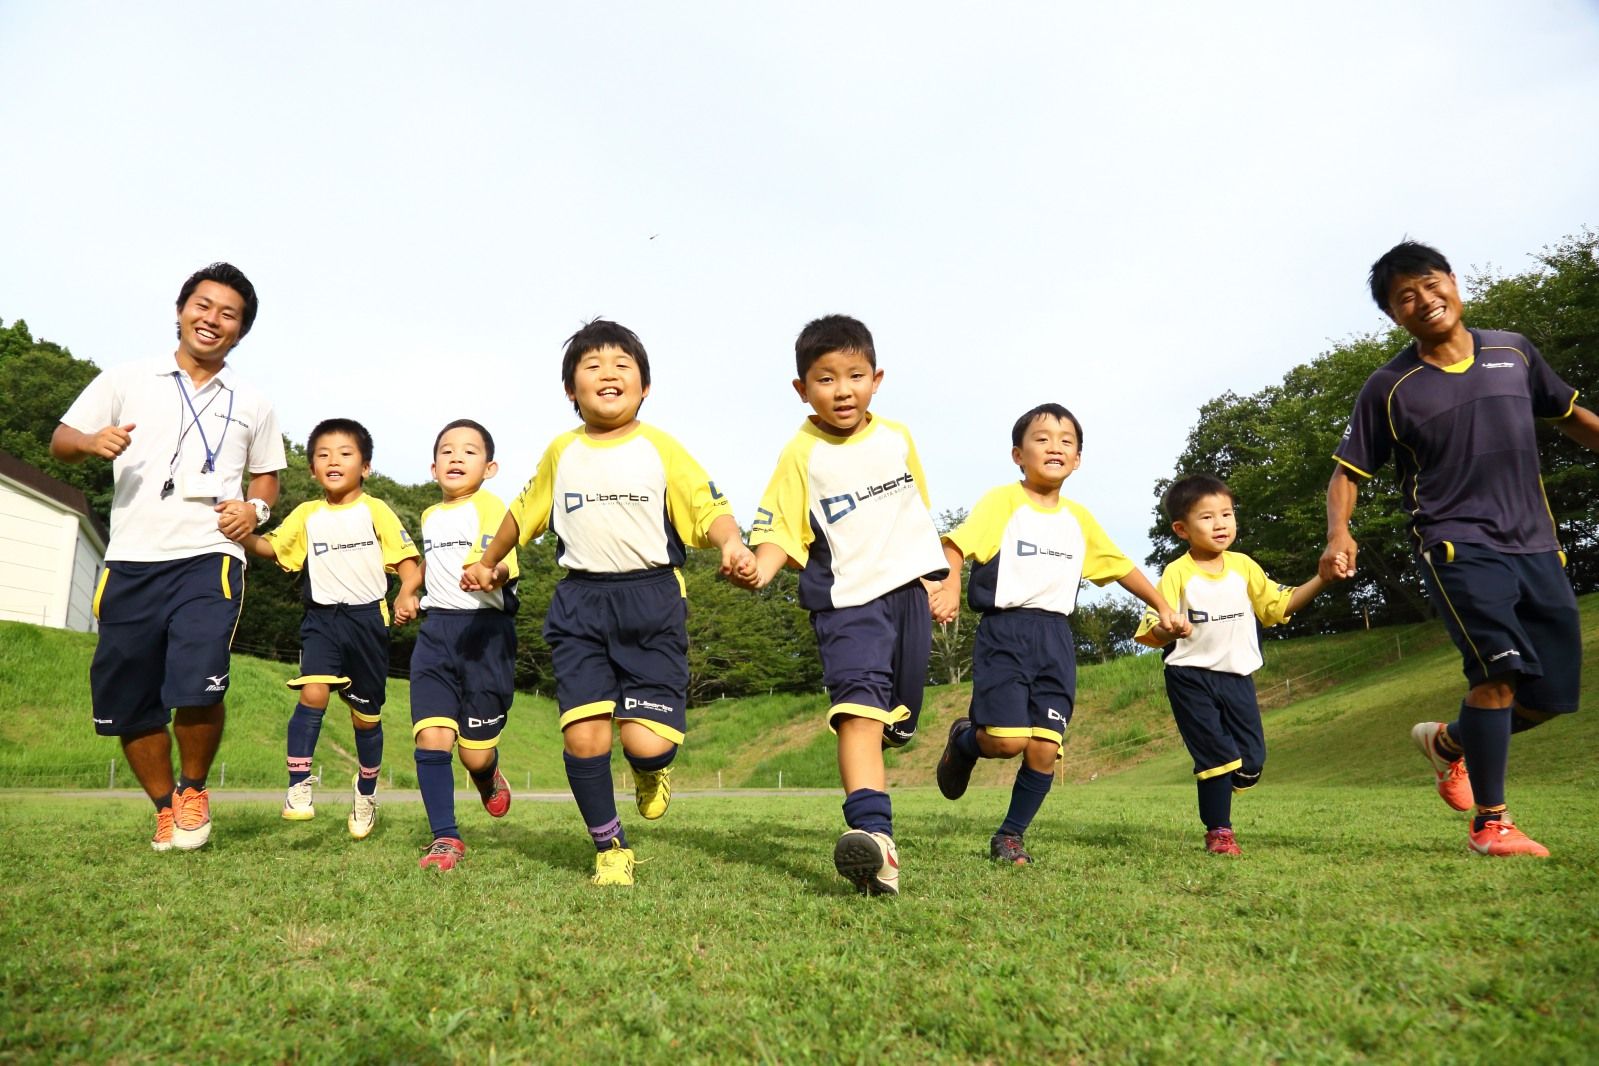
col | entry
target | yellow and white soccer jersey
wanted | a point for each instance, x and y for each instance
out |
(853, 512)
(454, 533)
(616, 506)
(346, 550)
(1223, 608)
(1025, 555)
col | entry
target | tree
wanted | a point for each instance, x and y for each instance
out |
(1104, 630)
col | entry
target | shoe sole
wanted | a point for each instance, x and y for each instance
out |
(1422, 734)
(164, 845)
(297, 816)
(857, 858)
(351, 826)
(191, 839)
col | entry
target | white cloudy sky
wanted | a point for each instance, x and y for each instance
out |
(1125, 211)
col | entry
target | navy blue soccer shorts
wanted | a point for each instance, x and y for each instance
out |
(619, 646)
(463, 674)
(874, 660)
(1219, 720)
(1024, 674)
(165, 633)
(1513, 617)
(346, 647)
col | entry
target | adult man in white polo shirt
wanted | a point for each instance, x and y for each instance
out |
(181, 432)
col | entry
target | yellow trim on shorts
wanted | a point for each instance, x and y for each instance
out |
(682, 586)
(598, 709)
(227, 587)
(1444, 593)
(861, 710)
(360, 716)
(1055, 737)
(383, 605)
(318, 679)
(477, 745)
(1449, 550)
(1008, 730)
(99, 591)
(665, 732)
(1206, 775)
(435, 723)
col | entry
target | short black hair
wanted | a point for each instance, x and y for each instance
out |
(832, 333)
(1407, 259)
(348, 426)
(1185, 492)
(1045, 410)
(601, 333)
(231, 276)
(467, 423)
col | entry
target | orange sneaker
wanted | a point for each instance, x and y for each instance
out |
(1222, 842)
(1503, 838)
(1453, 783)
(443, 854)
(191, 818)
(162, 841)
(498, 799)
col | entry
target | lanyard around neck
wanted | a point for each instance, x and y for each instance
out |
(194, 423)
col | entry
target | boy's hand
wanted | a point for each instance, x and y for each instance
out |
(479, 578)
(237, 521)
(738, 562)
(943, 600)
(406, 606)
(1176, 624)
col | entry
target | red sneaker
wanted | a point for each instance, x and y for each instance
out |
(498, 800)
(162, 841)
(1221, 842)
(1503, 838)
(191, 818)
(443, 854)
(1453, 783)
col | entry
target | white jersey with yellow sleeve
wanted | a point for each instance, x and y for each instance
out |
(853, 512)
(619, 505)
(347, 550)
(1027, 555)
(454, 534)
(1223, 608)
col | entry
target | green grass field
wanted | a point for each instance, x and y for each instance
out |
(1355, 928)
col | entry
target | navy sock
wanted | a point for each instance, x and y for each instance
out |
(437, 782)
(966, 743)
(305, 725)
(1216, 801)
(163, 803)
(869, 809)
(1450, 748)
(1026, 796)
(1518, 724)
(591, 786)
(650, 763)
(369, 753)
(484, 778)
(196, 783)
(1485, 735)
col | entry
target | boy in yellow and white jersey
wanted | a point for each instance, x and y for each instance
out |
(1222, 595)
(1030, 549)
(624, 500)
(463, 668)
(347, 543)
(848, 506)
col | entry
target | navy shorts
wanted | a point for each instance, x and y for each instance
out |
(165, 632)
(1219, 720)
(463, 674)
(1513, 617)
(346, 647)
(619, 646)
(1024, 674)
(874, 660)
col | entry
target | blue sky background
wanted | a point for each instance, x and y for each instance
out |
(1125, 211)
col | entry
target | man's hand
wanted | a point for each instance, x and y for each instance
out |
(238, 519)
(1338, 560)
(109, 443)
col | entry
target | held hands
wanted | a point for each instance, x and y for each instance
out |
(738, 563)
(943, 600)
(480, 578)
(1338, 560)
(237, 521)
(109, 443)
(406, 606)
(1174, 625)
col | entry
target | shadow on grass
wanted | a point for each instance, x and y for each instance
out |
(801, 853)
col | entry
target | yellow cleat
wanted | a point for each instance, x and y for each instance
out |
(297, 804)
(653, 791)
(614, 867)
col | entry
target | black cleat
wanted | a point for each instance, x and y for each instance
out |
(1008, 849)
(954, 769)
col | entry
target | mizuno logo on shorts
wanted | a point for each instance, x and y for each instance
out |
(1503, 654)
(219, 683)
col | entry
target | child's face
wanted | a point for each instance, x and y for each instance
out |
(607, 388)
(336, 463)
(462, 462)
(1210, 525)
(1048, 454)
(839, 387)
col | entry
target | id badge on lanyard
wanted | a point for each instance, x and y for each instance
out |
(204, 483)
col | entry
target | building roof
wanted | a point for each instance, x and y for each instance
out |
(69, 496)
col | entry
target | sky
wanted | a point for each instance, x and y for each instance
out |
(1128, 209)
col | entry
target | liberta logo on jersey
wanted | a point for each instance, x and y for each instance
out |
(572, 501)
(836, 507)
(322, 548)
(1025, 548)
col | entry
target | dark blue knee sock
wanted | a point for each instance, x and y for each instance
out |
(1026, 796)
(305, 725)
(369, 753)
(966, 743)
(1485, 736)
(650, 763)
(590, 779)
(869, 809)
(437, 782)
(484, 779)
(1216, 801)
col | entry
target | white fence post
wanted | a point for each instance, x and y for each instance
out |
(222, 780)
(111, 777)
(718, 779)
(780, 780)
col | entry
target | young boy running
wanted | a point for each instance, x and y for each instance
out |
(624, 499)
(1208, 681)
(347, 543)
(1457, 410)
(848, 505)
(1030, 550)
(463, 668)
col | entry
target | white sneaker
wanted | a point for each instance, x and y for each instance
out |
(869, 861)
(363, 814)
(297, 805)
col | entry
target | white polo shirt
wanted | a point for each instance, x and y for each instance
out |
(235, 422)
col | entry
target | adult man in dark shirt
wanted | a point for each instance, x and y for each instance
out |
(1456, 409)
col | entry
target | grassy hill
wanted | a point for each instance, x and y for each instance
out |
(1338, 709)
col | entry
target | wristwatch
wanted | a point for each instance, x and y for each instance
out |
(263, 513)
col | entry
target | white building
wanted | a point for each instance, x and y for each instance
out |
(51, 549)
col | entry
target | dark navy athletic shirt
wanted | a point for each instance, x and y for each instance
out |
(1463, 441)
